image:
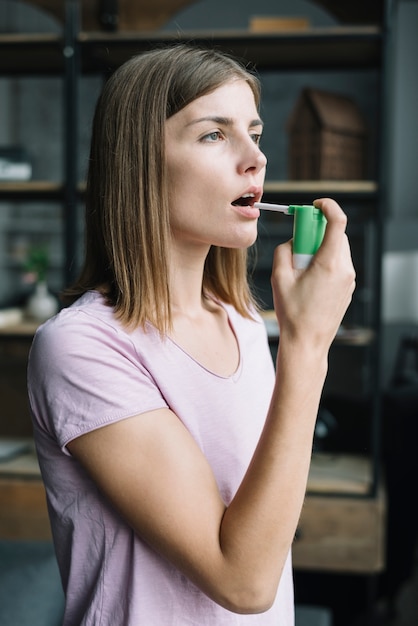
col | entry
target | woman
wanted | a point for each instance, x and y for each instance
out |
(175, 457)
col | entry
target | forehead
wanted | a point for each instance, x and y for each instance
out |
(233, 99)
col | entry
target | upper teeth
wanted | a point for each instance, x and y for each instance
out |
(248, 195)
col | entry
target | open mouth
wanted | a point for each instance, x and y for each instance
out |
(245, 200)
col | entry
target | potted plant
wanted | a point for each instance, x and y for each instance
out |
(41, 304)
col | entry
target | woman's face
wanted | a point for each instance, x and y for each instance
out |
(215, 168)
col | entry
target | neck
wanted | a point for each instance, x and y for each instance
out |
(186, 280)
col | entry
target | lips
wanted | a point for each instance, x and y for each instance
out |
(247, 199)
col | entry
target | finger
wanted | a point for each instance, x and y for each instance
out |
(336, 225)
(283, 254)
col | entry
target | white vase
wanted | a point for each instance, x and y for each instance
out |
(41, 304)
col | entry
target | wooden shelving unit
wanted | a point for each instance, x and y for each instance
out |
(23, 510)
(340, 47)
(331, 522)
(357, 46)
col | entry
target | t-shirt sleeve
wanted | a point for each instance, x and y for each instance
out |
(84, 373)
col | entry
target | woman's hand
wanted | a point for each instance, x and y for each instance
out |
(311, 304)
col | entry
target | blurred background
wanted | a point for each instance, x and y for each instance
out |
(339, 92)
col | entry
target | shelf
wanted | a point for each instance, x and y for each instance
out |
(306, 191)
(354, 12)
(31, 54)
(341, 528)
(23, 330)
(342, 47)
(335, 47)
(339, 473)
(346, 336)
(296, 192)
(24, 513)
(34, 190)
(24, 463)
(356, 188)
(340, 534)
(352, 188)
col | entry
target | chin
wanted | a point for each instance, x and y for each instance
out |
(237, 238)
(243, 244)
(250, 239)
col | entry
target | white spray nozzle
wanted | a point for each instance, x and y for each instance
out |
(280, 208)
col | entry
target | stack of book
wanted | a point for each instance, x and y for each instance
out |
(14, 164)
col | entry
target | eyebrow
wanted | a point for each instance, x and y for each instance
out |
(224, 121)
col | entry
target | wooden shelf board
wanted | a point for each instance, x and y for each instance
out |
(322, 186)
(342, 47)
(340, 473)
(305, 191)
(349, 187)
(340, 534)
(23, 53)
(317, 47)
(33, 189)
(356, 336)
(23, 465)
(26, 328)
(342, 527)
(23, 509)
(365, 189)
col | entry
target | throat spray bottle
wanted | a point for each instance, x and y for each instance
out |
(308, 229)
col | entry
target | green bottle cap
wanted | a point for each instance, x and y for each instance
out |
(308, 231)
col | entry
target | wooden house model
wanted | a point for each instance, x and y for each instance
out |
(327, 138)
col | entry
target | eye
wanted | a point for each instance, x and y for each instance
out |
(256, 137)
(215, 135)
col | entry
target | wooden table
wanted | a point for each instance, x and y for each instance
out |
(23, 510)
(341, 528)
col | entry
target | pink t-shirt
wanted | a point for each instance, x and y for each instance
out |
(86, 371)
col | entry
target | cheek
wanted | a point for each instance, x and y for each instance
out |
(188, 184)
(181, 177)
(183, 195)
(173, 173)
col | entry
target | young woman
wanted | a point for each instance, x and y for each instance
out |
(175, 456)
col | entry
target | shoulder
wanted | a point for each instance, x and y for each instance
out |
(88, 337)
(88, 311)
(88, 321)
(85, 370)
(83, 334)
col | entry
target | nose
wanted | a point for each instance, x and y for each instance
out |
(252, 158)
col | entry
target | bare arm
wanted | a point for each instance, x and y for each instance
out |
(153, 472)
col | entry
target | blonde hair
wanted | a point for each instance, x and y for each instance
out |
(127, 208)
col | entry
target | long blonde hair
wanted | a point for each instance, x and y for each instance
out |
(127, 208)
